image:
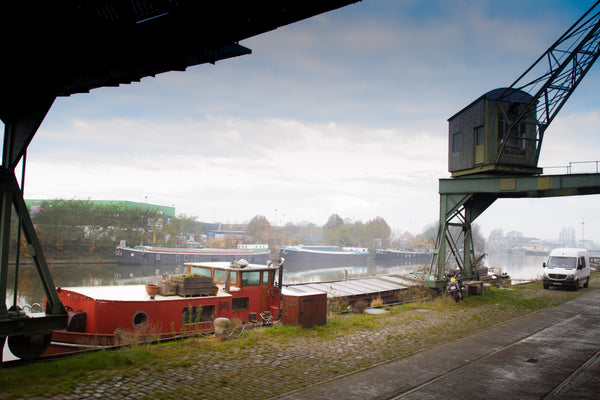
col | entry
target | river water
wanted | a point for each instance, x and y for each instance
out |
(519, 267)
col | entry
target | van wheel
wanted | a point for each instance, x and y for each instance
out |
(576, 287)
(587, 283)
(546, 286)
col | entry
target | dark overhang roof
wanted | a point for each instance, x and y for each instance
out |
(56, 48)
(72, 46)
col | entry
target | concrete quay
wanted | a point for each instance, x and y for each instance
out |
(550, 354)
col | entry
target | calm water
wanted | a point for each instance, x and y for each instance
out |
(519, 267)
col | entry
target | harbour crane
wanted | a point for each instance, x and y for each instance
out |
(495, 143)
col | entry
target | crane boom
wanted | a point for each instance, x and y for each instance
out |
(554, 76)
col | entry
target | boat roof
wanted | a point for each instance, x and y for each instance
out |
(127, 293)
(327, 249)
(350, 288)
(232, 266)
(197, 250)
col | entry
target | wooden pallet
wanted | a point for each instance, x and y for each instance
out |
(193, 285)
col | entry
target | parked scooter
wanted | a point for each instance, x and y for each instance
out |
(455, 285)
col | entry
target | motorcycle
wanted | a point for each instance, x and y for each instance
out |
(455, 286)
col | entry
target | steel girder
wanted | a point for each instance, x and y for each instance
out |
(20, 127)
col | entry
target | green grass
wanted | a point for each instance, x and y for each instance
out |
(77, 368)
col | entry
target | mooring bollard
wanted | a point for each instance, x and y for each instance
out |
(222, 326)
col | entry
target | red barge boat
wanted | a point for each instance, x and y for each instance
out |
(111, 315)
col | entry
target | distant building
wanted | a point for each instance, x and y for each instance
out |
(405, 238)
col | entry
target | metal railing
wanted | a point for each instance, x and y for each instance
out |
(575, 167)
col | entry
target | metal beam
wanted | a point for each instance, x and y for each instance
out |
(523, 186)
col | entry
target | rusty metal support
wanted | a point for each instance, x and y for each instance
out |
(21, 123)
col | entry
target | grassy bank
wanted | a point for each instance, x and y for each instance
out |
(265, 362)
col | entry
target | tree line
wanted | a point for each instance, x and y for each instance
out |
(83, 229)
(77, 229)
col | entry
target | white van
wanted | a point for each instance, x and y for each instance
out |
(567, 267)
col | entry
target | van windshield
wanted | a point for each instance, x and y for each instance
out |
(562, 262)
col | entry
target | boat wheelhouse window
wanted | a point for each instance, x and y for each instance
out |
(239, 304)
(194, 315)
(220, 276)
(265, 277)
(250, 278)
(200, 271)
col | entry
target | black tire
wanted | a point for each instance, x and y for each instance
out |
(29, 347)
(576, 287)
(456, 296)
(546, 286)
(587, 283)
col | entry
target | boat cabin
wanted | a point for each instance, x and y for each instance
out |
(482, 141)
(252, 286)
(101, 314)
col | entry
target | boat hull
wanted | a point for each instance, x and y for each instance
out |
(401, 257)
(116, 315)
(301, 258)
(170, 256)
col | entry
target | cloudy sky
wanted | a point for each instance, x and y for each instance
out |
(342, 113)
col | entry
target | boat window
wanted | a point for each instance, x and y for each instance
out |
(200, 271)
(265, 278)
(250, 278)
(221, 274)
(239, 304)
(177, 257)
(185, 258)
(158, 257)
(194, 315)
(140, 319)
(195, 258)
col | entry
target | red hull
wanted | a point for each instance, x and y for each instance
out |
(107, 316)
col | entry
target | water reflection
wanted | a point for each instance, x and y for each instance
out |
(30, 289)
(518, 266)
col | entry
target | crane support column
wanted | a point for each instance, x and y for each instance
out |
(455, 237)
